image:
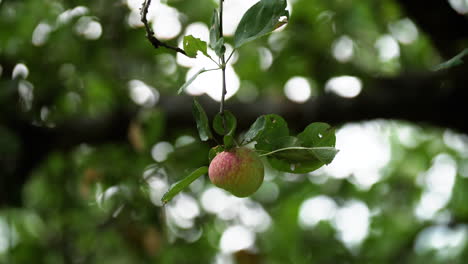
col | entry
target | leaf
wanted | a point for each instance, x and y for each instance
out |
(275, 128)
(255, 130)
(303, 154)
(214, 29)
(229, 120)
(184, 183)
(215, 151)
(325, 154)
(216, 41)
(192, 45)
(202, 121)
(219, 47)
(300, 159)
(187, 83)
(310, 150)
(261, 19)
(457, 60)
(228, 141)
(298, 168)
(318, 135)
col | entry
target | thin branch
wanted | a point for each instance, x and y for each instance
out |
(230, 55)
(150, 33)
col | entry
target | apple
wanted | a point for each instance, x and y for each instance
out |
(238, 170)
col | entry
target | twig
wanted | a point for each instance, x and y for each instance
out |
(230, 55)
(150, 33)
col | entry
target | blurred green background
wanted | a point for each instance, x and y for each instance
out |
(92, 134)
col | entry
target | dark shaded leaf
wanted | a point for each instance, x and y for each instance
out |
(301, 159)
(275, 128)
(255, 130)
(313, 148)
(202, 121)
(228, 141)
(216, 42)
(214, 29)
(229, 121)
(219, 47)
(318, 135)
(291, 167)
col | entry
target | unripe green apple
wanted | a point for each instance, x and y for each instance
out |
(239, 171)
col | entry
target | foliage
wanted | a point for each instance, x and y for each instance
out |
(313, 148)
(98, 200)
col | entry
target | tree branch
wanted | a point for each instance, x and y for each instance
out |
(37, 142)
(150, 33)
(438, 99)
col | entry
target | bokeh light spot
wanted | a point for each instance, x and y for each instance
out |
(69, 14)
(143, 94)
(41, 34)
(316, 209)
(364, 151)
(236, 238)
(344, 86)
(161, 150)
(352, 223)
(404, 31)
(88, 28)
(461, 6)
(387, 47)
(437, 183)
(266, 58)
(298, 89)
(342, 49)
(20, 71)
(443, 241)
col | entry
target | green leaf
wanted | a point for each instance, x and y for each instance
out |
(215, 151)
(192, 45)
(291, 167)
(255, 130)
(318, 135)
(310, 150)
(184, 183)
(325, 154)
(202, 121)
(259, 20)
(275, 128)
(229, 120)
(228, 141)
(219, 47)
(457, 60)
(304, 154)
(214, 29)
(187, 83)
(301, 159)
(216, 41)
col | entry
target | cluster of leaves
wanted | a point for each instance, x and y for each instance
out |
(261, 19)
(306, 152)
